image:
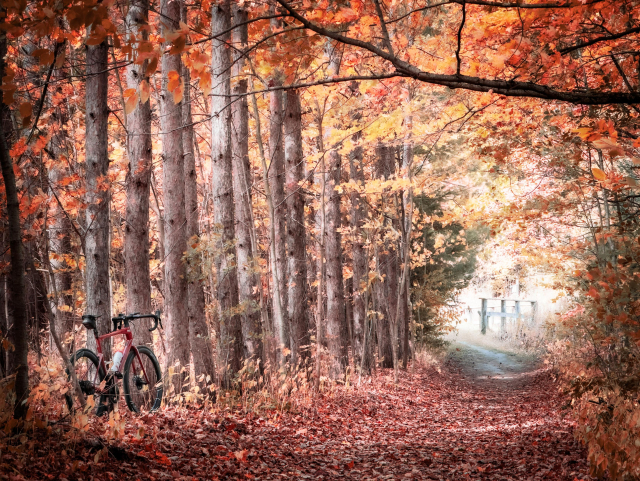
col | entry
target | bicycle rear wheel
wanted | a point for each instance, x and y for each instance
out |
(143, 394)
(85, 364)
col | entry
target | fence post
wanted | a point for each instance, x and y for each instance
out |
(503, 320)
(483, 317)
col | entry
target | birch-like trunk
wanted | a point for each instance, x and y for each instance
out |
(230, 331)
(136, 231)
(175, 272)
(247, 266)
(97, 245)
(296, 250)
(199, 337)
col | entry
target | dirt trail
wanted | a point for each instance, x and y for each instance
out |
(485, 414)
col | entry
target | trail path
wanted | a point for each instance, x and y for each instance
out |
(485, 415)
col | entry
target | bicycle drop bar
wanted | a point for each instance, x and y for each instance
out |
(121, 319)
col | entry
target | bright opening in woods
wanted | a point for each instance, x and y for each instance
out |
(320, 239)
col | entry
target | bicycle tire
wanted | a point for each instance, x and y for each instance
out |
(140, 395)
(85, 373)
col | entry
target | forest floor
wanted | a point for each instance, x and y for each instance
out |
(479, 414)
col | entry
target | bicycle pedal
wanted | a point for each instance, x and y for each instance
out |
(118, 375)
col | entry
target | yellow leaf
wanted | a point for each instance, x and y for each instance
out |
(598, 174)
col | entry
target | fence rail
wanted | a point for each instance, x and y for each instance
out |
(485, 313)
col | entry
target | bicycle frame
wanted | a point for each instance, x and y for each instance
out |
(126, 332)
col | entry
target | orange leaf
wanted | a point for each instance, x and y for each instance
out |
(25, 112)
(131, 103)
(599, 174)
(144, 91)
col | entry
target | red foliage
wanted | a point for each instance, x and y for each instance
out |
(432, 426)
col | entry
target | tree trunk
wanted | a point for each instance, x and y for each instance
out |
(17, 309)
(360, 268)
(247, 279)
(276, 181)
(97, 238)
(383, 292)
(175, 278)
(136, 231)
(230, 335)
(199, 337)
(296, 249)
(337, 335)
(407, 165)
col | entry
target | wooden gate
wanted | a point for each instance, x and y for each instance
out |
(485, 313)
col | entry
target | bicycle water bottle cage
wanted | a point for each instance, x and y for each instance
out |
(89, 321)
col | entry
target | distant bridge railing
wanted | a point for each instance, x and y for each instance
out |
(485, 313)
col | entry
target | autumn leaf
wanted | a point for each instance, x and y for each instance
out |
(241, 455)
(144, 91)
(131, 103)
(599, 174)
(25, 112)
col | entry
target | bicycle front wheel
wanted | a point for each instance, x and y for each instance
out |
(142, 381)
(85, 364)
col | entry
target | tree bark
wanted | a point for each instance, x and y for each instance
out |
(360, 268)
(276, 181)
(337, 335)
(230, 343)
(97, 237)
(383, 292)
(296, 249)
(247, 264)
(175, 278)
(199, 337)
(136, 231)
(16, 294)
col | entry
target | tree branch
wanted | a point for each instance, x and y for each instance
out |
(385, 32)
(509, 88)
(604, 38)
(464, 17)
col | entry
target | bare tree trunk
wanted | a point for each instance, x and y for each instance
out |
(276, 181)
(199, 337)
(383, 293)
(16, 299)
(360, 268)
(337, 335)
(175, 278)
(230, 335)
(247, 264)
(136, 231)
(60, 241)
(97, 238)
(407, 165)
(296, 250)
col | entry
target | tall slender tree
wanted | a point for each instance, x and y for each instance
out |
(97, 236)
(230, 334)
(296, 249)
(360, 268)
(16, 295)
(276, 181)
(242, 184)
(175, 285)
(136, 230)
(199, 337)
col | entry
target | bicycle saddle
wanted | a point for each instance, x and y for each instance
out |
(89, 321)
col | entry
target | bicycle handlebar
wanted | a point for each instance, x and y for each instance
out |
(122, 318)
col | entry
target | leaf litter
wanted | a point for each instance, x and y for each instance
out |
(438, 423)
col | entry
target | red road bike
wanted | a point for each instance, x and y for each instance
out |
(138, 368)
